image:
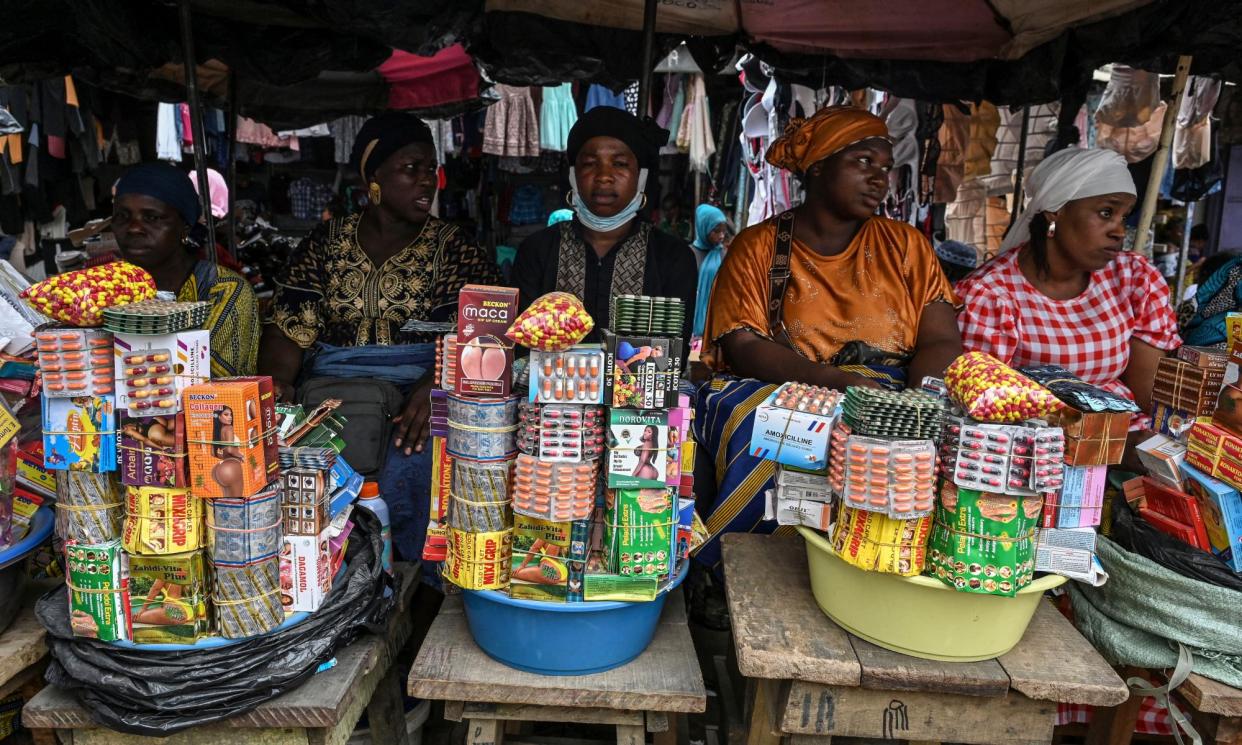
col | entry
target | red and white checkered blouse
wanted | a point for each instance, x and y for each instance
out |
(1089, 335)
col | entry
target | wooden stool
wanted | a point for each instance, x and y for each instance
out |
(1214, 708)
(322, 711)
(812, 680)
(23, 651)
(642, 696)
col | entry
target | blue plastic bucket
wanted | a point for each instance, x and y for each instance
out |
(563, 638)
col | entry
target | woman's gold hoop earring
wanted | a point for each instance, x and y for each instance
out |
(374, 193)
(569, 198)
(644, 203)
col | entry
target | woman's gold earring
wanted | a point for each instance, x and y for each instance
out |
(1052, 229)
(374, 193)
(569, 198)
(644, 203)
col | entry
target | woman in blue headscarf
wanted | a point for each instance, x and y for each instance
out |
(710, 230)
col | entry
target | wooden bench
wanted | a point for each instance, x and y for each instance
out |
(642, 696)
(322, 711)
(23, 650)
(812, 680)
(1214, 708)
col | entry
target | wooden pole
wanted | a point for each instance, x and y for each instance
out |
(1142, 243)
(1183, 255)
(644, 82)
(196, 124)
(232, 161)
(1023, 136)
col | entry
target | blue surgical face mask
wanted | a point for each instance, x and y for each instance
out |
(599, 224)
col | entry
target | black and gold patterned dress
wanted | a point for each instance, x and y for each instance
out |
(332, 293)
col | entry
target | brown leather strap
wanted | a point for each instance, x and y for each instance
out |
(778, 277)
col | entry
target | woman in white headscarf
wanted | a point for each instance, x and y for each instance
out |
(1064, 292)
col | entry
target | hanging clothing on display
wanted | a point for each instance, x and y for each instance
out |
(344, 132)
(253, 133)
(696, 127)
(902, 122)
(167, 143)
(1131, 98)
(598, 95)
(1041, 128)
(1135, 143)
(557, 115)
(676, 110)
(512, 126)
(951, 165)
(631, 98)
(1192, 140)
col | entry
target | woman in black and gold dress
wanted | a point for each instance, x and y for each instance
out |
(352, 284)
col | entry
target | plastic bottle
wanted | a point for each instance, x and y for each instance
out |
(370, 498)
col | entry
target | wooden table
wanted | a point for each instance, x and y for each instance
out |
(1214, 708)
(322, 711)
(812, 680)
(642, 696)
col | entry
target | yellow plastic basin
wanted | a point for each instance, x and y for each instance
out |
(919, 616)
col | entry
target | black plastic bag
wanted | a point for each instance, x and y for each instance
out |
(1133, 533)
(159, 693)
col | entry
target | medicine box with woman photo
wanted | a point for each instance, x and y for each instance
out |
(637, 447)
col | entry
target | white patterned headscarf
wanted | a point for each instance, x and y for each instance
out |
(1065, 176)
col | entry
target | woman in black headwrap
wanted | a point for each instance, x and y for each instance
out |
(609, 248)
(352, 284)
(154, 209)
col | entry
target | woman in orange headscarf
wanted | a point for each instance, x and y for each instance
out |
(827, 293)
(859, 289)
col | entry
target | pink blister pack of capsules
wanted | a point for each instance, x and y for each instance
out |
(561, 432)
(1023, 460)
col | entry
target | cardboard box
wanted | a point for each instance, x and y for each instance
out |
(1177, 506)
(1175, 528)
(1206, 357)
(1228, 413)
(641, 372)
(305, 571)
(153, 452)
(638, 448)
(792, 510)
(792, 438)
(1221, 508)
(1171, 422)
(679, 420)
(640, 527)
(983, 543)
(1213, 439)
(479, 561)
(1080, 502)
(1068, 552)
(1182, 385)
(190, 353)
(1092, 438)
(231, 432)
(168, 598)
(162, 521)
(484, 353)
(79, 434)
(97, 577)
(549, 559)
(304, 501)
(1163, 458)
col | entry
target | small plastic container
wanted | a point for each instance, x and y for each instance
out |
(919, 616)
(563, 638)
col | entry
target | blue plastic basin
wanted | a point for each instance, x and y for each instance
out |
(563, 638)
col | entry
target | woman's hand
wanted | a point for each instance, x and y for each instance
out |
(285, 393)
(414, 422)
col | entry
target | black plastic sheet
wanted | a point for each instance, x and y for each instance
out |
(1134, 534)
(159, 693)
